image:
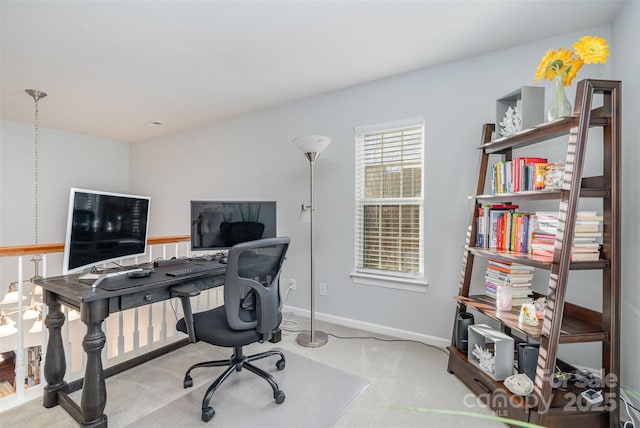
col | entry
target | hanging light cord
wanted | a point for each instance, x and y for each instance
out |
(36, 95)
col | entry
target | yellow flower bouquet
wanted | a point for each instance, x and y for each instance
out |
(566, 63)
(562, 66)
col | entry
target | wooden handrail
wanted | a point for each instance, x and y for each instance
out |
(168, 239)
(22, 250)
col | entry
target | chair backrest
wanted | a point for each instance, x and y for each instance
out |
(251, 286)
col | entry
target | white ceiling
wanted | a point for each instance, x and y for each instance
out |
(112, 67)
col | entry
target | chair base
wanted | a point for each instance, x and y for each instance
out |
(237, 362)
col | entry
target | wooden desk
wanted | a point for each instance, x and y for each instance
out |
(95, 305)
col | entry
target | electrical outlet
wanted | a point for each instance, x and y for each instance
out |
(293, 284)
(323, 289)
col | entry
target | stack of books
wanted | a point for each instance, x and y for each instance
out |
(520, 175)
(500, 227)
(587, 233)
(585, 246)
(509, 274)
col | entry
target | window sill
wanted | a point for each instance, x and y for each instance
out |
(408, 284)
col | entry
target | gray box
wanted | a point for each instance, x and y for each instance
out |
(500, 345)
(532, 98)
(528, 359)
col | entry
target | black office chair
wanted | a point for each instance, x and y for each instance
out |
(252, 311)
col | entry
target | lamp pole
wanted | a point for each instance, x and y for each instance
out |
(311, 146)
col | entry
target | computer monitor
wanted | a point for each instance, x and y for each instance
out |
(103, 227)
(219, 225)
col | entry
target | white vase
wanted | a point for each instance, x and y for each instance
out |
(560, 105)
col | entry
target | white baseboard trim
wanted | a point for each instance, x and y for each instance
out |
(374, 328)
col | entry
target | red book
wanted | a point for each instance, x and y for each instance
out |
(529, 161)
(515, 173)
(519, 171)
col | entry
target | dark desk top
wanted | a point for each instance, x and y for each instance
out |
(70, 289)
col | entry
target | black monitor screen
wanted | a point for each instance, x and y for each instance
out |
(218, 225)
(103, 227)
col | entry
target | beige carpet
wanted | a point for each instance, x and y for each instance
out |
(316, 396)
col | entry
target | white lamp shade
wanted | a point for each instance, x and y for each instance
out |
(6, 320)
(37, 327)
(11, 298)
(7, 330)
(312, 143)
(30, 314)
(7, 326)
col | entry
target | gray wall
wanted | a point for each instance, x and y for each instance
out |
(626, 65)
(66, 160)
(251, 157)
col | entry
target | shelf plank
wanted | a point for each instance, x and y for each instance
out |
(574, 330)
(540, 195)
(535, 261)
(542, 132)
(487, 306)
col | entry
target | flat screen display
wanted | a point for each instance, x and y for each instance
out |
(219, 225)
(103, 227)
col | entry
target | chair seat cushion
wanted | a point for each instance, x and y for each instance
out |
(211, 326)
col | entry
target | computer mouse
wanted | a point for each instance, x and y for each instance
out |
(140, 273)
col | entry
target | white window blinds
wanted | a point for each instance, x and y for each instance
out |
(389, 199)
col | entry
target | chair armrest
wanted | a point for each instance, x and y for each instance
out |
(185, 292)
(266, 306)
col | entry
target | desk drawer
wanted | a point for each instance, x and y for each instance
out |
(143, 298)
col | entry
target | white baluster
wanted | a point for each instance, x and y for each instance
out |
(120, 335)
(105, 350)
(136, 332)
(20, 351)
(150, 327)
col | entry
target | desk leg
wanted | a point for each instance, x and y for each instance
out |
(55, 364)
(94, 391)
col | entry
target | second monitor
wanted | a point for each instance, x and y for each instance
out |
(219, 225)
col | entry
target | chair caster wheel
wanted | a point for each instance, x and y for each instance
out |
(207, 414)
(279, 396)
(280, 364)
(188, 382)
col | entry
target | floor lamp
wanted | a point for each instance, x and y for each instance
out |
(312, 146)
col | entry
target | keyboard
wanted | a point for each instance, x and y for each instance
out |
(191, 269)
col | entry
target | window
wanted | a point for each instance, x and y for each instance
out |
(389, 237)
